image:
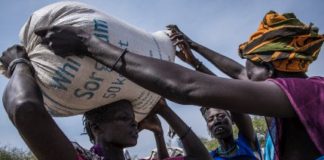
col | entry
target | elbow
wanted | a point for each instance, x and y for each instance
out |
(21, 111)
(21, 104)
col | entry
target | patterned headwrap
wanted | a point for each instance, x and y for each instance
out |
(283, 40)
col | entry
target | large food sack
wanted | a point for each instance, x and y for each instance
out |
(75, 84)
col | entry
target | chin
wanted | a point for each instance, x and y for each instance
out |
(222, 136)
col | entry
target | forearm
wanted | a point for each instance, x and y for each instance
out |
(161, 146)
(225, 64)
(192, 144)
(202, 68)
(42, 135)
(21, 89)
(24, 105)
(245, 126)
(199, 66)
(152, 74)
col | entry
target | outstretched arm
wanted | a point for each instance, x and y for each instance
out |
(193, 146)
(24, 105)
(230, 67)
(173, 81)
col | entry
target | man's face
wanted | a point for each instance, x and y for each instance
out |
(219, 123)
(120, 128)
(256, 72)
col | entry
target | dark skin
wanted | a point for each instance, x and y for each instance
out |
(254, 72)
(219, 124)
(216, 116)
(25, 108)
(185, 86)
(153, 124)
(116, 132)
(24, 105)
(193, 147)
(228, 66)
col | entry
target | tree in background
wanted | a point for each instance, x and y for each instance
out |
(260, 128)
(13, 153)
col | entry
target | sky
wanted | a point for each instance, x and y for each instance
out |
(220, 25)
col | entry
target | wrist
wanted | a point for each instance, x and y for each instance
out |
(98, 48)
(18, 63)
(193, 44)
(197, 64)
(188, 130)
(89, 43)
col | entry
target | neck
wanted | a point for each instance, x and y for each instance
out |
(227, 143)
(279, 74)
(112, 152)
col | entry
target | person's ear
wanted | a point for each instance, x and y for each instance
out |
(95, 128)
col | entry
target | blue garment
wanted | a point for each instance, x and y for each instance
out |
(269, 148)
(243, 151)
(320, 158)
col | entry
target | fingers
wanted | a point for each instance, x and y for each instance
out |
(42, 31)
(11, 53)
(60, 48)
(176, 36)
(173, 27)
(177, 39)
(20, 48)
(49, 34)
(179, 42)
(15, 49)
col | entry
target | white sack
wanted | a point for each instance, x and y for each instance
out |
(74, 85)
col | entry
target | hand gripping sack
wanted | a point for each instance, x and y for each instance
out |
(74, 85)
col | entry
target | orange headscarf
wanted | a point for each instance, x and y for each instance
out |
(283, 40)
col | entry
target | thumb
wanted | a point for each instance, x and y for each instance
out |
(41, 31)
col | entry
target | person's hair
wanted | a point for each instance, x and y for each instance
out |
(96, 116)
(204, 110)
